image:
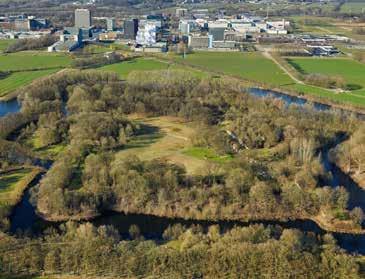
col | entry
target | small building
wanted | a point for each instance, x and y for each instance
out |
(320, 50)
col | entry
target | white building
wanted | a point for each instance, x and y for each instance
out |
(146, 35)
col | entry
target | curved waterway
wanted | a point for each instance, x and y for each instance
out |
(9, 107)
(24, 217)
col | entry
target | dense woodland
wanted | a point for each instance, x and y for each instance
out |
(276, 171)
(250, 252)
(275, 174)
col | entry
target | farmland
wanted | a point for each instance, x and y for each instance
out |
(351, 71)
(19, 79)
(32, 60)
(25, 67)
(251, 66)
(124, 68)
(4, 44)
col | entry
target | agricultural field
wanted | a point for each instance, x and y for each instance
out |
(5, 43)
(19, 79)
(139, 64)
(148, 64)
(351, 71)
(169, 138)
(23, 61)
(353, 7)
(24, 67)
(250, 66)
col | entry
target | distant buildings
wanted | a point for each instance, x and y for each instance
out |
(200, 41)
(110, 24)
(181, 12)
(82, 18)
(146, 35)
(130, 29)
(23, 23)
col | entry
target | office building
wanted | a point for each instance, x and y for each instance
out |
(110, 24)
(130, 29)
(180, 12)
(146, 35)
(82, 18)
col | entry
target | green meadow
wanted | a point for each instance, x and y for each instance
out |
(19, 79)
(5, 43)
(250, 66)
(139, 64)
(24, 67)
(148, 64)
(351, 71)
(33, 60)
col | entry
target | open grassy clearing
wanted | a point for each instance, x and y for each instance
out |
(23, 61)
(48, 152)
(168, 138)
(9, 180)
(5, 43)
(13, 183)
(19, 79)
(251, 66)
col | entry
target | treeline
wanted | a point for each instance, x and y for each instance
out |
(326, 81)
(96, 61)
(31, 44)
(350, 155)
(248, 252)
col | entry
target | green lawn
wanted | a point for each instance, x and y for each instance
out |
(19, 79)
(32, 60)
(203, 153)
(251, 66)
(5, 43)
(140, 64)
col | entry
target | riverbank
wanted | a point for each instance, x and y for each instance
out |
(322, 220)
(11, 196)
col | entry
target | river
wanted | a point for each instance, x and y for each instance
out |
(24, 217)
(9, 107)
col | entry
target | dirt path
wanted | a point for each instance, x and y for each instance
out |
(268, 55)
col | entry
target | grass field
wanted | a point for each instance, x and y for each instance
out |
(251, 66)
(25, 67)
(353, 7)
(140, 64)
(23, 61)
(9, 181)
(19, 79)
(147, 64)
(168, 138)
(13, 183)
(351, 71)
(5, 43)
(48, 152)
